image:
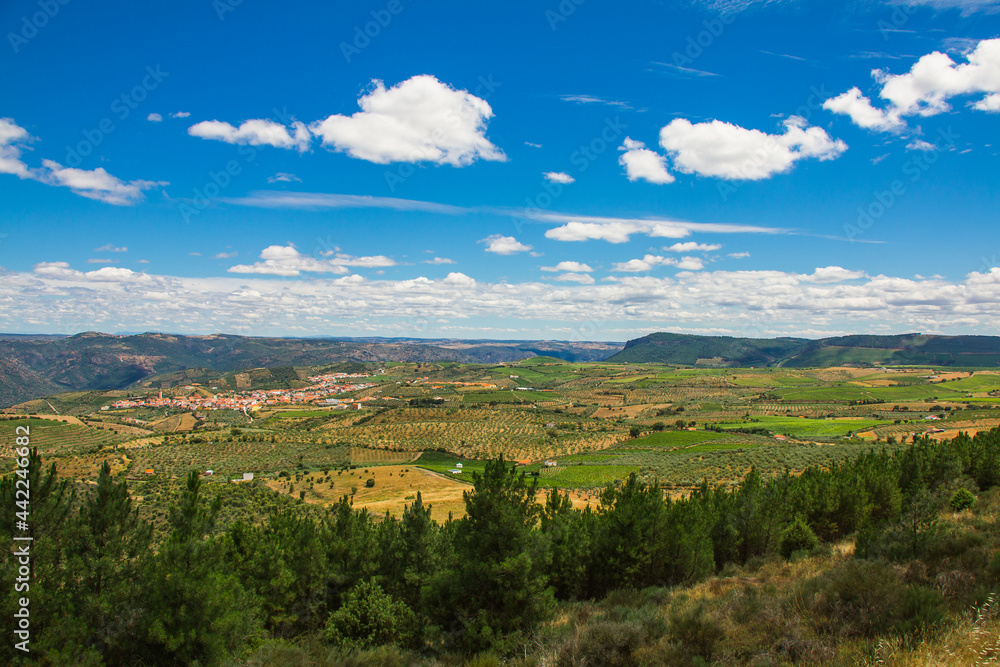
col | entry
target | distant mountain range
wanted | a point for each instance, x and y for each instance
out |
(901, 349)
(36, 366)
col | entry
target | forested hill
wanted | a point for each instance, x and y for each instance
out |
(909, 348)
(36, 366)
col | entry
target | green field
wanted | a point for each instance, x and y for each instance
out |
(666, 439)
(802, 427)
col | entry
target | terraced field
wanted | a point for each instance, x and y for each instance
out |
(53, 437)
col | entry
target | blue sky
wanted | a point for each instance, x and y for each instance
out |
(567, 170)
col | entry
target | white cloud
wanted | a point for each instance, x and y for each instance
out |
(739, 255)
(827, 301)
(643, 164)
(834, 274)
(528, 143)
(591, 99)
(920, 145)
(282, 177)
(12, 136)
(95, 184)
(731, 152)
(154, 117)
(691, 246)
(648, 262)
(990, 103)
(927, 87)
(107, 247)
(180, 114)
(439, 260)
(100, 260)
(691, 263)
(62, 271)
(225, 255)
(322, 200)
(619, 230)
(582, 278)
(936, 77)
(418, 120)
(503, 245)
(967, 7)
(288, 261)
(255, 132)
(459, 280)
(859, 108)
(559, 177)
(612, 232)
(573, 267)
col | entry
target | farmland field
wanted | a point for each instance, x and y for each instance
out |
(596, 422)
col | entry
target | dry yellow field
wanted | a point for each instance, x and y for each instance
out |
(395, 488)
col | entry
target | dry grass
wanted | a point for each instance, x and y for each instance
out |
(973, 642)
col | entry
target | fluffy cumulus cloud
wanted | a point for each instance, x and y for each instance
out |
(691, 246)
(582, 278)
(834, 274)
(12, 138)
(93, 184)
(648, 262)
(926, 88)
(107, 274)
(574, 267)
(504, 245)
(418, 120)
(459, 280)
(825, 301)
(860, 110)
(255, 132)
(731, 152)
(643, 164)
(559, 177)
(154, 118)
(288, 261)
(439, 260)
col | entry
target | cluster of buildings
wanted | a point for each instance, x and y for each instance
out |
(321, 389)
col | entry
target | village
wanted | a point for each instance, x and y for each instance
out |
(322, 390)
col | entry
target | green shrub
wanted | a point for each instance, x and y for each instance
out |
(797, 536)
(962, 500)
(866, 599)
(370, 617)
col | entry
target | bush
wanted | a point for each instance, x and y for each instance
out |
(696, 631)
(798, 536)
(604, 643)
(962, 500)
(864, 598)
(370, 482)
(369, 618)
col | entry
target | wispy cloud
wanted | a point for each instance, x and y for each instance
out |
(679, 70)
(592, 99)
(320, 200)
